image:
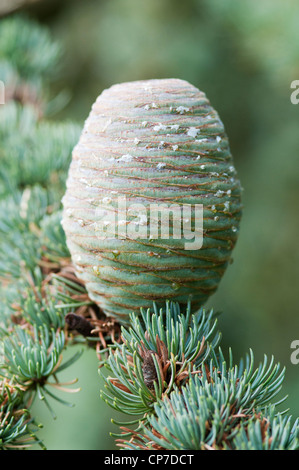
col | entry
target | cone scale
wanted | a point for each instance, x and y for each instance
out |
(149, 144)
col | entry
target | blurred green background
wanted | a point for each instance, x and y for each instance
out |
(244, 57)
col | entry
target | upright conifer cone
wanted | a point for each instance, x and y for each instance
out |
(148, 145)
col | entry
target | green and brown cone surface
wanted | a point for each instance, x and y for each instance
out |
(148, 145)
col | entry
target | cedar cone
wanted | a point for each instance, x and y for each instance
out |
(148, 145)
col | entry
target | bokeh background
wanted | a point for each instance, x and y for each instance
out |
(244, 57)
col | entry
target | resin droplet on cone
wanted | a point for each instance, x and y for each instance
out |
(151, 143)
